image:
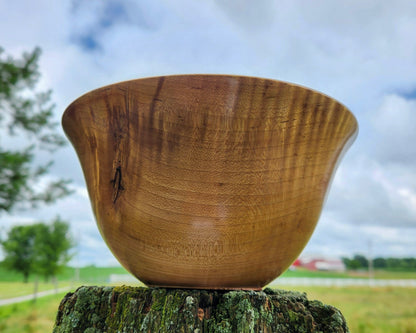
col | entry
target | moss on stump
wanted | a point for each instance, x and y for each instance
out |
(133, 309)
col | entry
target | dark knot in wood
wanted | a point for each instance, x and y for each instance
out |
(117, 184)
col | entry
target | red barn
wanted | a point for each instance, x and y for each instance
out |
(321, 264)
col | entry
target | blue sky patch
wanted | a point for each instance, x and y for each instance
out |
(87, 42)
(409, 94)
(107, 15)
(113, 12)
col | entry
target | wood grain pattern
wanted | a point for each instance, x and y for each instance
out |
(207, 181)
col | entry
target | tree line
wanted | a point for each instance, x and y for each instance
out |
(26, 113)
(27, 128)
(38, 249)
(358, 262)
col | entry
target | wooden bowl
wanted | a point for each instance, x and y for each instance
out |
(207, 181)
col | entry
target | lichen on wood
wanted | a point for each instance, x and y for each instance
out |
(138, 309)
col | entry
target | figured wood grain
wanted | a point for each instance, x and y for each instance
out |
(207, 181)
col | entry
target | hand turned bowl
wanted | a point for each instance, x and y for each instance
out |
(207, 181)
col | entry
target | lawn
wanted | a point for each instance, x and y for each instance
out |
(15, 289)
(370, 310)
(30, 317)
(375, 310)
(378, 274)
(87, 274)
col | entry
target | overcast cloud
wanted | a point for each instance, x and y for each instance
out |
(362, 53)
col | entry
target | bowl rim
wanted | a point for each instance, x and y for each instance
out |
(210, 75)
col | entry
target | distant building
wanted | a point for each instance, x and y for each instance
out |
(320, 264)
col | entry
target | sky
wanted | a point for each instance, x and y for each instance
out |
(363, 53)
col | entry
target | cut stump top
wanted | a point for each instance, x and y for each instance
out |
(137, 309)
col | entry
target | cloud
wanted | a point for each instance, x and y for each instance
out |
(339, 239)
(361, 53)
(89, 246)
(92, 18)
(252, 18)
(28, 24)
(365, 192)
(394, 124)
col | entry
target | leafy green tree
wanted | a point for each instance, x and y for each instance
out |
(25, 113)
(393, 263)
(41, 249)
(409, 263)
(362, 260)
(52, 248)
(352, 264)
(380, 262)
(357, 262)
(18, 249)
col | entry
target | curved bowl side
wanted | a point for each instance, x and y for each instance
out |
(207, 181)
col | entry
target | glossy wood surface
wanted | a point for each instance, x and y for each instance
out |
(207, 181)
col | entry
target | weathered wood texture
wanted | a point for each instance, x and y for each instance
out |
(132, 309)
(207, 181)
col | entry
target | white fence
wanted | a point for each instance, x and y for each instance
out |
(343, 282)
(122, 278)
(298, 281)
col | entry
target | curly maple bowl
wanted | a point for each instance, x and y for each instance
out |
(207, 181)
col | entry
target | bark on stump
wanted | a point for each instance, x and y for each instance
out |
(134, 309)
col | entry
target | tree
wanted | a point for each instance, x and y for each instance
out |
(380, 262)
(52, 247)
(25, 112)
(19, 249)
(357, 262)
(39, 248)
(351, 263)
(363, 261)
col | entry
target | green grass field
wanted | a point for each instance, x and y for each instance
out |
(375, 310)
(87, 274)
(15, 289)
(30, 317)
(378, 274)
(370, 310)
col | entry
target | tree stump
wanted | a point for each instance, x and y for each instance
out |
(138, 309)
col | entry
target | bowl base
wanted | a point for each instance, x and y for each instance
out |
(205, 288)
